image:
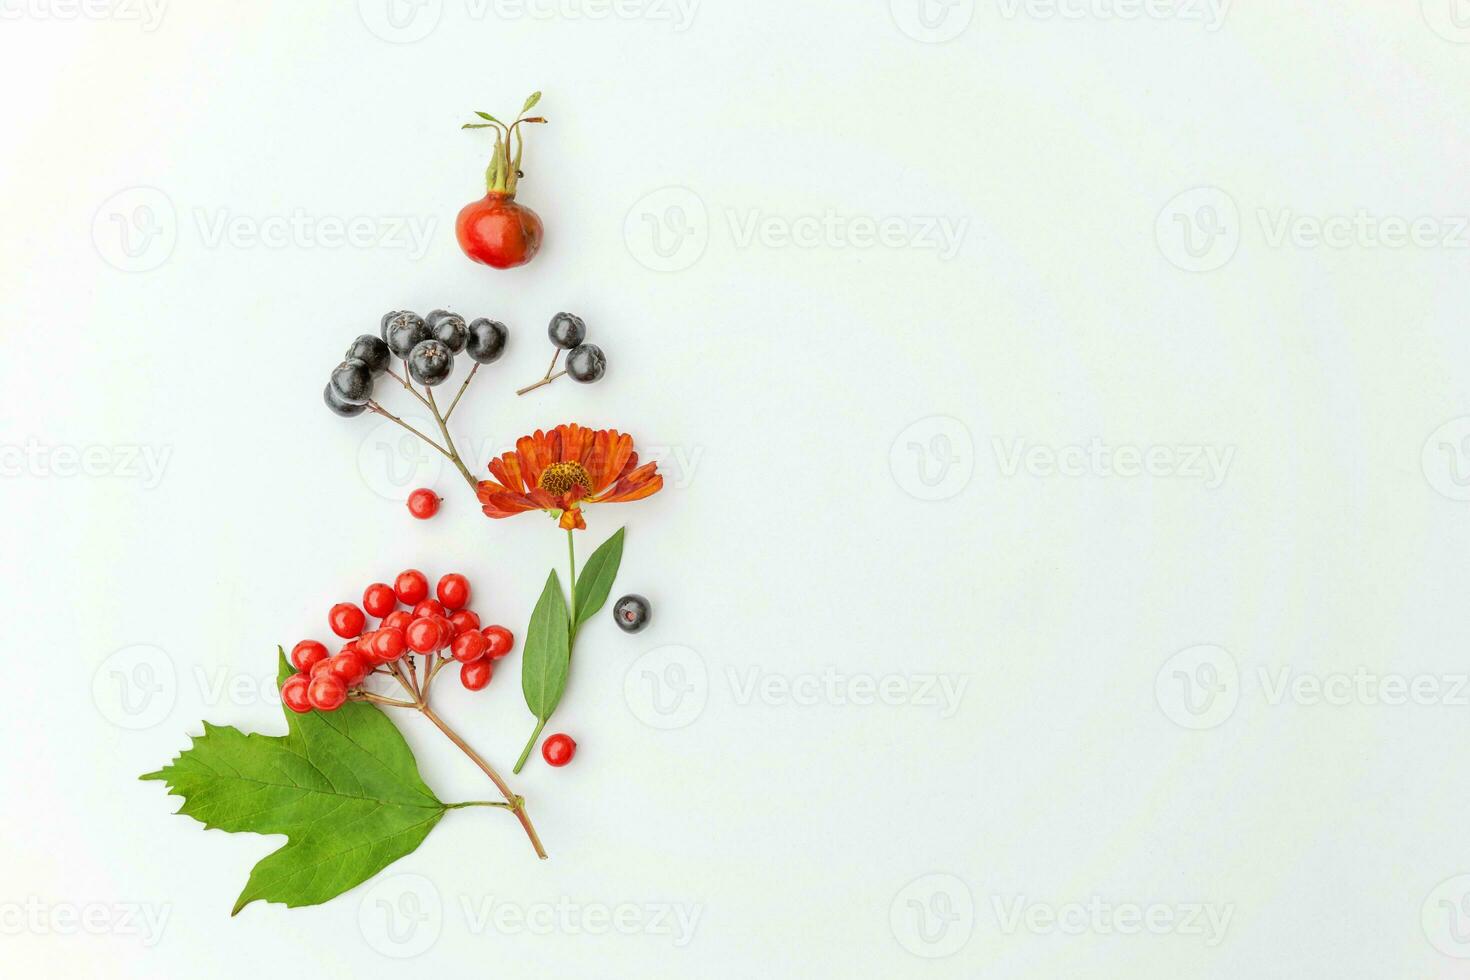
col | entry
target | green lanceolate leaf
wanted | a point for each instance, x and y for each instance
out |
(530, 101)
(546, 652)
(342, 786)
(596, 580)
(486, 115)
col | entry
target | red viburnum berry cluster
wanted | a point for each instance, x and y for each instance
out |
(436, 629)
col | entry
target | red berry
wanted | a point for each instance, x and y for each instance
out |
(378, 599)
(428, 609)
(468, 647)
(558, 750)
(307, 654)
(423, 504)
(349, 667)
(411, 587)
(424, 635)
(319, 668)
(397, 620)
(446, 631)
(501, 641)
(346, 620)
(326, 692)
(476, 674)
(454, 591)
(293, 693)
(388, 644)
(464, 621)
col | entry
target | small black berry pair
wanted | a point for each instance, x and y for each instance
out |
(586, 362)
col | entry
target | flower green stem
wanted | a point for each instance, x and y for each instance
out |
(572, 558)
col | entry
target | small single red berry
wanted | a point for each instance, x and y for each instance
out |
(423, 635)
(454, 591)
(411, 587)
(326, 692)
(423, 504)
(476, 674)
(388, 644)
(428, 609)
(501, 640)
(346, 620)
(469, 647)
(464, 621)
(319, 668)
(397, 620)
(558, 750)
(379, 600)
(293, 693)
(446, 631)
(349, 667)
(307, 654)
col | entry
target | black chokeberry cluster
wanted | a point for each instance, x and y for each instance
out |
(585, 362)
(426, 345)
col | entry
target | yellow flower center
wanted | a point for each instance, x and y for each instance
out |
(558, 478)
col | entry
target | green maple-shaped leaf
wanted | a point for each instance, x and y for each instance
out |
(342, 786)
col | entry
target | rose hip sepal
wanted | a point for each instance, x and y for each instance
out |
(343, 787)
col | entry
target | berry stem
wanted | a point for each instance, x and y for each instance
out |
(404, 381)
(517, 805)
(375, 407)
(460, 394)
(380, 699)
(544, 381)
(453, 453)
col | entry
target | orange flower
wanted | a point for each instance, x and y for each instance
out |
(560, 470)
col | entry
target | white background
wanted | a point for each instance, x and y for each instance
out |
(838, 419)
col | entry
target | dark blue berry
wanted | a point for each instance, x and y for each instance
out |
(486, 340)
(586, 363)
(338, 406)
(352, 381)
(566, 331)
(405, 332)
(383, 323)
(371, 351)
(631, 613)
(450, 330)
(430, 362)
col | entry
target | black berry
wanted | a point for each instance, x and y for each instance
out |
(586, 363)
(383, 323)
(450, 330)
(338, 406)
(405, 332)
(371, 351)
(631, 613)
(430, 362)
(486, 340)
(352, 381)
(434, 316)
(566, 331)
